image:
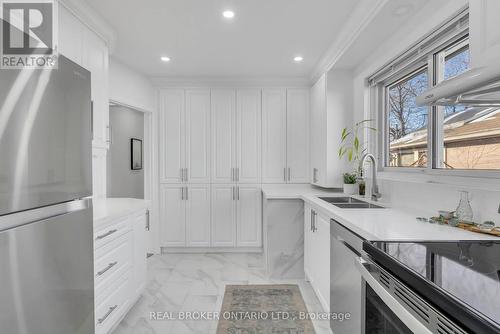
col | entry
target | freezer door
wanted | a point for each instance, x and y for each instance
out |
(45, 136)
(47, 276)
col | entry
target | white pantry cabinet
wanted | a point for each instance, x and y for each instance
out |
(185, 136)
(484, 32)
(331, 111)
(185, 215)
(236, 215)
(285, 135)
(236, 135)
(317, 254)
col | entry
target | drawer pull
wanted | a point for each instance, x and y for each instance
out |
(111, 309)
(111, 265)
(106, 234)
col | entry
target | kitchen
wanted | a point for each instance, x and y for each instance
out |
(250, 167)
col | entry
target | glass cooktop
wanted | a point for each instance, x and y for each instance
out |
(462, 278)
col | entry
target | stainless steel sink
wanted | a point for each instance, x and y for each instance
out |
(341, 200)
(350, 203)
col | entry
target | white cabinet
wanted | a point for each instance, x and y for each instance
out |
(285, 135)
(236, 135)
(70, 35)
(223, 216)
(249, 216)
(198, 215)
(185, 215)
(223, 135)
(317, 254)
(297, 135)
(119, 264)
(236, 216)
(172, 215)
(248, 135)
(185, 136)
(331, 111)
(274, 135)
(484, 32)
(198, 136)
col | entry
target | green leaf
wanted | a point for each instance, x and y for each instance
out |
(350, 154)
(341, 152)
(356, 143)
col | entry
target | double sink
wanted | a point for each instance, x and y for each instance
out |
(350, 203)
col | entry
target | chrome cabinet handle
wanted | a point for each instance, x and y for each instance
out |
(187, 194)
(110, 310)
(238, 174)
(182, 193)
(314, 221)
(232, 192)
(315, 175)
(284, 174)
(288, 174)
(181, 170)
(186, 174)
(102, 236)
(237, 193)
(232, 174)
(111, 265)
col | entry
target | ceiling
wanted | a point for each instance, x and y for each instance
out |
(261, 40)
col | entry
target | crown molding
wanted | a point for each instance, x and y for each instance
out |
(94, 21)
(362, 15)
(230, 81)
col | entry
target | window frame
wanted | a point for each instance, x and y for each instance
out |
(453, 45)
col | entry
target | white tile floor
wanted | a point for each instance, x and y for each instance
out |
(195, 282)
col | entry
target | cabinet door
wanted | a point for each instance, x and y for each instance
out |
(172, 135)
(273, 135)
(249, 216)
(318, 132)
(320, 260)
(223, 216)
(198, 215)
(248, 120)
(173, 215)
(223, 135)
(139, 267)
(484, 32)
(307, 241)
(198, 135)
(297, 119)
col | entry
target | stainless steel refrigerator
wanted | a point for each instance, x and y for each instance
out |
(46, 228)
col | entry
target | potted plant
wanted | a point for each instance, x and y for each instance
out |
(350, 183)
(352, 148)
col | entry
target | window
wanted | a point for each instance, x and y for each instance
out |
(407, 123)
(442, 138)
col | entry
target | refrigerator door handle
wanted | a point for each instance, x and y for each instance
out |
(30, 216)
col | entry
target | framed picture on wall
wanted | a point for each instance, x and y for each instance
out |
(136, 154)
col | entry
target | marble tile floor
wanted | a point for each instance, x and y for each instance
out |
(195, 283)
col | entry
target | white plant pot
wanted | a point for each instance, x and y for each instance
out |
(351, 189)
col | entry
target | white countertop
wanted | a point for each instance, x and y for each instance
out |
(294, 191)
(106, 209)
(391, 223)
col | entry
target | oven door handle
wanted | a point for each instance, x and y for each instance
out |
(365, 268)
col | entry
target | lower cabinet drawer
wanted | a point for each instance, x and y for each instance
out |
(109, 311)
(111, 257)
(110, 232)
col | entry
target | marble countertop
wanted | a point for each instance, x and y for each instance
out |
(295, 191)
(391, 223)
(106, 209)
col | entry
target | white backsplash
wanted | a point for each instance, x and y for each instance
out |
(428, 198)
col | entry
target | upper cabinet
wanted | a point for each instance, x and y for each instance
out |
(285, 135)
(331, 110)
(484, 32)
(185, 136)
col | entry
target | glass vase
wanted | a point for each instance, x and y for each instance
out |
(464, 210)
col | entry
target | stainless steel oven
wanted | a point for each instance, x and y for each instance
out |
(389, 306)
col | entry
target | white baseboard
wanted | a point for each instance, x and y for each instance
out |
(166, 250)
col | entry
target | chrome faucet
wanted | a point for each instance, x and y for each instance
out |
(375, 194)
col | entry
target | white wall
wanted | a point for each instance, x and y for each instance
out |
(129, 87)
(426, 193)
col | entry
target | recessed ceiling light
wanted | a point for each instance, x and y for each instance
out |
(228, 14)
(298, 59)
(403, 10)
(165, 59)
